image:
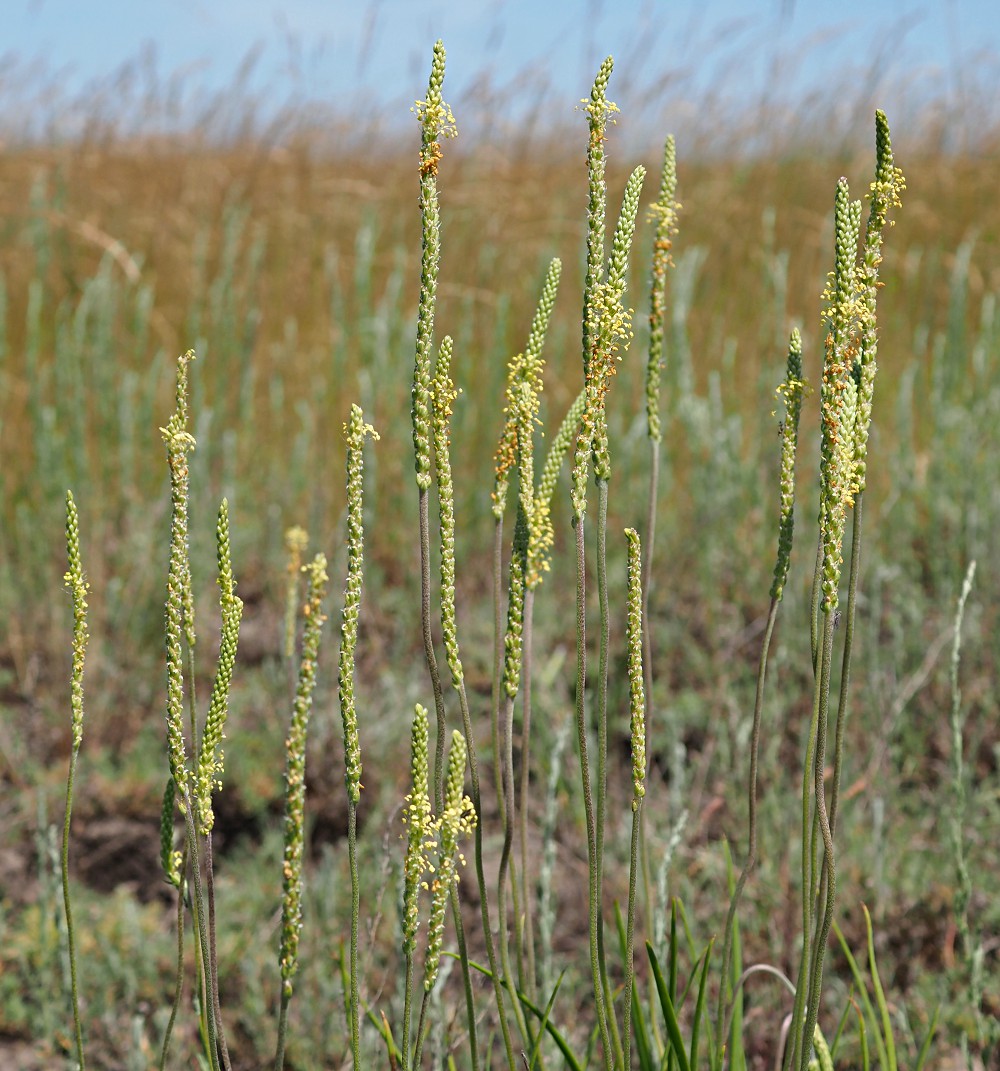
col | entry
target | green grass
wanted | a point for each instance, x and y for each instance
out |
(295, 277)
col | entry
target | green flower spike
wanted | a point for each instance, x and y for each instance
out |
(78, 587)
(609, 328)
(633, 645)
(664, 214)
(170, 859)
(885, 194)
(296, 542)
(77, 584)
(839, 393)
(792, 391)
(542, 530)
(444, 396)
(543, 314)
(295, 775)
(210, 758)
(356, 431)
(599, 111)
(615, 328)
(524, 385)
(419, 829)
(457, 820)
(179, 443)
(436, 122)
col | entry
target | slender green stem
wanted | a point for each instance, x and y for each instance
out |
(528, 983)
(845, 672)
(201, 922)
(593, 887)
(279, 1057)
(647, 650)
(67, 903)
(630, 938)
(484, 902)
(825, 921)
(602, 750)
(421, 1029)
(77, 584)
(751, 858)
(179, 973)
(407, 1008)
(213, 961)
(354, 1007)
(808, 883)
(463, 959)
(506, 765)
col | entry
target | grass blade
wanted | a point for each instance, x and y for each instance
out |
(667, 1007)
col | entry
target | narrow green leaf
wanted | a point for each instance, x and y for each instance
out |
(699, 1007)
(863, 997)
(883, 1007)
(926, 1047)
(841, 1025)
(640, 1028)
(863, 1035)
(536, 1047)
(667, 1007)
(561, 1043)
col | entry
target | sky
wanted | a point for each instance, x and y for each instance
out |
(373, 55)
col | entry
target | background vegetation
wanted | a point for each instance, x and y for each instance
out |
(292, 268)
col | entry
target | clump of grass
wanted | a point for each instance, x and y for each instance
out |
(673, 1027)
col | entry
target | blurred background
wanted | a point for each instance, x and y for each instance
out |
(703, 69)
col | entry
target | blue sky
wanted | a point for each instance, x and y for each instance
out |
(372, 55)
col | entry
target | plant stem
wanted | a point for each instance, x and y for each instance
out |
(593, 885)
(845, 672)
(602, 749)
(437, 793)
(463, 959)
(74, 993)
(529, 981)
(817, 952)
(354, 1007)
(179, 983)
(751, 859)
(208, 1011)
(213, 962)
